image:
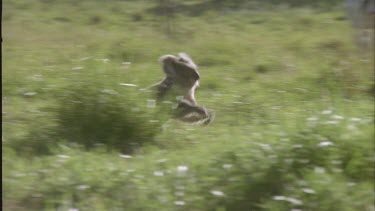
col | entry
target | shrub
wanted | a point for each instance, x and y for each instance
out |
(90, 115)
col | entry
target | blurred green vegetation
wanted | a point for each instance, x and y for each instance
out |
(293, 97)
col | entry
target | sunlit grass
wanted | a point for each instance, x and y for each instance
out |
(290, 90)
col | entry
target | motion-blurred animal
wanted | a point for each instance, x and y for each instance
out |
(181, 80)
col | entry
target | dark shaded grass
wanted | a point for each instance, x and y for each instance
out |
(172, 7)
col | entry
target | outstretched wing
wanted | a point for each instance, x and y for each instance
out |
(186, 58)
(181, 68)
(162, 87)
(180, 72)
(185, 74)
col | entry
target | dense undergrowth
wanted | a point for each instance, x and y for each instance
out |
(292, 94)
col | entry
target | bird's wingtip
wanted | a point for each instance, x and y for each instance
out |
(164, 57)
(188, 59)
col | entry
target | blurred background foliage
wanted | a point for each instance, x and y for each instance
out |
(292, 93)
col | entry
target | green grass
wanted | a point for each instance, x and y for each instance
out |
(292, 94)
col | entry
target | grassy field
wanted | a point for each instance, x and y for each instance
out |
(292, 94)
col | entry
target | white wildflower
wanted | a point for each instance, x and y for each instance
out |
(125, 156)
(279, 198)
(19, 175)
(158, 173)
(297, 146)
(325, 144)
(227, 166)
(293, 200)
(350, 184)
(30, 93)
(312, 118)
(284, 139)
(125, 84)
(265, 146)
(37, 77)
(355, 119)
(217, 193)
(109, 91)
(162, 160)
(327, 112)
(332, 122)
(63, 156)
(182, 168)
(308, 190)
(85, 58)
(337, 117)
(180, 203)
(82, 187)
(319, 170)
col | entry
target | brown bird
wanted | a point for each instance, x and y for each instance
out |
(181, 79)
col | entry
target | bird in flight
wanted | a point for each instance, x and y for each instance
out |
(181, 79)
